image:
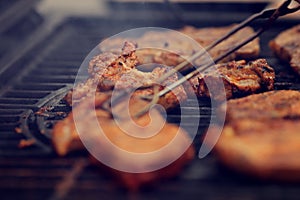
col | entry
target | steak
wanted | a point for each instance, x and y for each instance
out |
(239, 78)
(261, 135)
(287, 47)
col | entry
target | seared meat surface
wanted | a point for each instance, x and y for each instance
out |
(261, 135)
(171, 48)
(65, 137)
(287, 47)
(109, 71)
(206, 36)
(107, 67)
(136, 78)
(239, 78)
(105, 70)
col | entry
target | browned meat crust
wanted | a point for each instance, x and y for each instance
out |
(171, 48)
(108, 67)
(261, 136)
(108, 71)
(287, 47)
(206, 36)
(136, 78)
(105, 70)
(239, 78)
(65, 136)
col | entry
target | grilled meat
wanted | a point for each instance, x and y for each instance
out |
(107, 67)
(136, 78)
(105, 70)
(261, 135)
(287, 47)
(239, 78)
(65, 136)
(171, 48)
(111, 72)
(134, 181)
(168, 47)
(206, 36)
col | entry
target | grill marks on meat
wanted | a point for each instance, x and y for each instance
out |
(239, 78)
(65, 136)
(287, 47)
(261, 135)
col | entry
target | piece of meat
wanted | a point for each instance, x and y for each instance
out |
(108, 67)
(136, 78)
(177, 52)
(172, 142)
(239, 79)
(105, 70)
(64, 135)
(81, 91)
(119, 73)
(261, 135)
(171, 47)
(287, 47)
(135, 181)
(159, 47)
(206, 36)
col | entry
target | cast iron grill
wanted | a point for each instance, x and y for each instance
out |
(36, 172)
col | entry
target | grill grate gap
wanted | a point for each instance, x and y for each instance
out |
(19, 101)
(45, 79)
(39, 87)
(26, 94)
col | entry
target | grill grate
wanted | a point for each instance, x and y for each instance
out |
(36, 172)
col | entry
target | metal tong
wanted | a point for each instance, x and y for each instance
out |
(271, 15)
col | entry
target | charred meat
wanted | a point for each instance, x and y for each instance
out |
(109, 72)
(105, 70)
(239, 78)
